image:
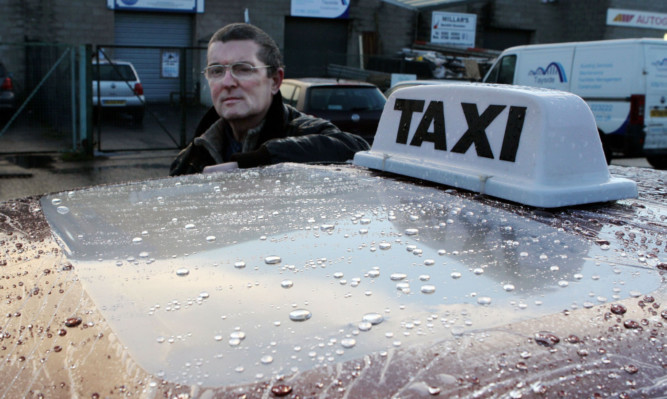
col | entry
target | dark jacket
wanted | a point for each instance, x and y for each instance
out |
(286, 135)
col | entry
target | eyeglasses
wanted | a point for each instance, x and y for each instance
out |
(239, 70)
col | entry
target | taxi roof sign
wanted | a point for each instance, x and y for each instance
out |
(537, 147)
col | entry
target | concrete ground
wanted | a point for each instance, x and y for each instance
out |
(26, 175)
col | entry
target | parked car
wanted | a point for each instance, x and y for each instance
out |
(353, 106)
(121, 89)
(7, 94)
(340, 281)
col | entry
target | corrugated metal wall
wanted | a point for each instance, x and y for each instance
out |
(161, 31)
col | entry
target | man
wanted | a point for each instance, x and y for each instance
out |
(249, 125)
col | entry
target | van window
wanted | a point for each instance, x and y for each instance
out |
(503, 71)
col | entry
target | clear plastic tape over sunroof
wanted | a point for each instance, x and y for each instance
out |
(230, 278)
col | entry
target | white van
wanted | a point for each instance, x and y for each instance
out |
(623, 81)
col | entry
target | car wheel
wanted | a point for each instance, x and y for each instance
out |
(658, 161)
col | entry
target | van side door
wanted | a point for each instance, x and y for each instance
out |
(547, 67)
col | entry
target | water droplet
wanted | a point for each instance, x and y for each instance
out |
(374, 273)
(631, 324)
(327, 227)
(160, 340)
(508, 287)
(218, 337)
(348, 342)
(547, 339)
(429, 262)
(433, 391)
(287, 284)
(272, 260)
(210, 238)
(384, 246)
(234, 342)
(266, 359)
(182, 272)
(365, 221)
(338, 275)
(456, 275)
(563, 283)
(137, 240)
(631, 369)
(300, 315)
(427, 289)
(398, 276)
(239, 265)
(411, 232)
(365, 326)
(373, 318)
(56, 201)
(189, 226)
(73, 322)
(478, 271)
(484, 300)
(281, 390)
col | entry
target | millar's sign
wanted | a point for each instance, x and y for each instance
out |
(534, 146)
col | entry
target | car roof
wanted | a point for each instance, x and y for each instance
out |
(202, 285)
(327, 82)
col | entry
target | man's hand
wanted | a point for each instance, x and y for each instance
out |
(221, 167)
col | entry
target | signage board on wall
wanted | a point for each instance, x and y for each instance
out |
(190, 6)
(453, 29)
(320, 8)
(636, 19)
(170, 64)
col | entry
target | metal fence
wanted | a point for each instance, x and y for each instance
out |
(54, 110)
(49, 107)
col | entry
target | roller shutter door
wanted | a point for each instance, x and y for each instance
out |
(161, 32)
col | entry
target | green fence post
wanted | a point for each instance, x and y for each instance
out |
(85, 99)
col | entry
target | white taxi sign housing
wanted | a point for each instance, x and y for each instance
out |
(533, 146)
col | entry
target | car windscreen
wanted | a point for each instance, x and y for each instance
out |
(115, 72)
(344, 98)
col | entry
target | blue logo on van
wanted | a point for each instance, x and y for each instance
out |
(549, 74)
(661, 64)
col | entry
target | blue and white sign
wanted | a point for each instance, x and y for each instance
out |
(320, 8)
(190, 6)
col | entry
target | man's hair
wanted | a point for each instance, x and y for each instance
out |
(268, 53)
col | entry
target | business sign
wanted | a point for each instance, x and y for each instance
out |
(636, 19)
(320, 8)
(453, 29)
(190, 6)
(170, 64)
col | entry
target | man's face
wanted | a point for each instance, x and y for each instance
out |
(247, 100)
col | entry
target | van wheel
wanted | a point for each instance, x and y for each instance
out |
(605, 147)
(658, 161)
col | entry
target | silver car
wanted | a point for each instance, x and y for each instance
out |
(121, 89)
